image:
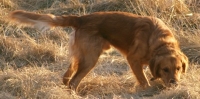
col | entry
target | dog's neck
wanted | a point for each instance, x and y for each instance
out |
(168, 48)
(165, 44)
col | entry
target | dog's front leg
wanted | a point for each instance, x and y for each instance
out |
(137, 69)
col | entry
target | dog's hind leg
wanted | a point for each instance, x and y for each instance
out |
(86, 51)
(69, 73)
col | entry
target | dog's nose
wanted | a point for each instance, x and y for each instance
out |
(172, 81)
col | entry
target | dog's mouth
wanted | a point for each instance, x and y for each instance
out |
(171, 83)
(168, 83)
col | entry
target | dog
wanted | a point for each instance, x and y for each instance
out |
(143, 40)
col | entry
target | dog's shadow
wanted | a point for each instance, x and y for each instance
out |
(127, 91)
(155, 89)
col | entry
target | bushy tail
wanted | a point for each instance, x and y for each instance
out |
(43, 21)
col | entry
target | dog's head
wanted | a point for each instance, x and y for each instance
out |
(169, 67)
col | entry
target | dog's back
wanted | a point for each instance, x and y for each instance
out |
(119, 28)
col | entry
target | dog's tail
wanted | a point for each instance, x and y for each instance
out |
(44, 21)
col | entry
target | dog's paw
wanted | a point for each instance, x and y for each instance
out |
(152, 79)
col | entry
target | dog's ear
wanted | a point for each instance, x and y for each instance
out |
(154, 66)
(185, 63)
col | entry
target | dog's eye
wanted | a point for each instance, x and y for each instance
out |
(166, 70)
(178, 68)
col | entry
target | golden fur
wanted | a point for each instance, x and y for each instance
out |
(142, 40)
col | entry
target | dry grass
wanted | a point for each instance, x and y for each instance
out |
(32, 63)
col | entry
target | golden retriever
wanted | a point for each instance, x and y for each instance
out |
(143, 40)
